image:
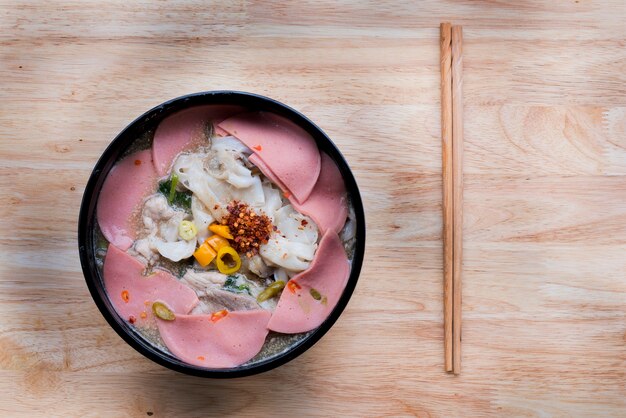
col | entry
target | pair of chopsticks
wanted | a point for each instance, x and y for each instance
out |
(452, 139)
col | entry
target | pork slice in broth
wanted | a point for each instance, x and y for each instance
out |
(202, 280)
(215, 299)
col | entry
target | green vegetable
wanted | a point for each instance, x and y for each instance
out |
(102, 242)
(231, 285)
(180, 199)
(173, 185)
(271, 291)
(315, 294)
(187, 230)
(162, 311)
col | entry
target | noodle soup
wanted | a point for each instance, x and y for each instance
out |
(225, 236)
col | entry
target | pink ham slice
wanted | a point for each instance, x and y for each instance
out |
(128, 182)
(285, 148)
(327, 205)
(256, 160)
(298, 310)
(227, 342)
(183, 130)
(133, 294)
(220, 132)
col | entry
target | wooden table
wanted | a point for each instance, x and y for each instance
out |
(545, 214)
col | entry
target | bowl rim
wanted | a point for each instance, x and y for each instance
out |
(87, 218)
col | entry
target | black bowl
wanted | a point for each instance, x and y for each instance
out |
(87, 221)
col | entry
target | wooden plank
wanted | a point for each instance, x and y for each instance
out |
(545, 215)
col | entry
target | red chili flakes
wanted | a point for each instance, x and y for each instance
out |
(287, 194)
(258, 147)
(293, 286)
(125, 296)
(143, 315)
(304, 222)
(250, 229)
(216, 316)
(137, 162)
(132, 319)
(201, 358)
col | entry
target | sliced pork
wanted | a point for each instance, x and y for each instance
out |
(215, 299)
(286, 149)
(222, 342)
(183, 130)
(127, 184)
(132, 293)
(328, 203)
(310, 296)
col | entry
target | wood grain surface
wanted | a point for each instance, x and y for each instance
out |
(544, 256)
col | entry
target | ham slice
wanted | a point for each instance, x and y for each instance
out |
(327, 205)
(227, 342)
(298, 310)
(183, 130)
(256, 160)
(288, 151)
(128, 182)
(220, 132)
(132, 294)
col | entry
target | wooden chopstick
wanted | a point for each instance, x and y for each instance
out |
(452, 169)
(457, 177)
(446, 139)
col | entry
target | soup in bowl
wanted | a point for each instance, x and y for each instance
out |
(221, 234)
